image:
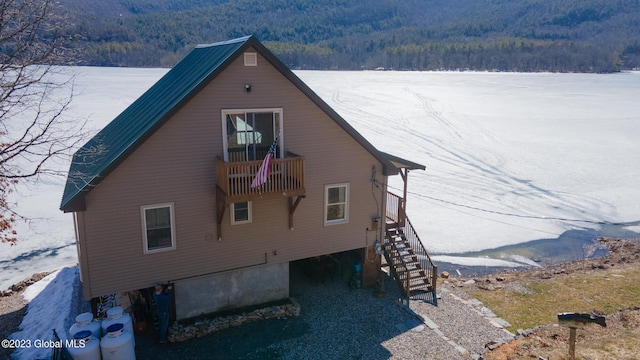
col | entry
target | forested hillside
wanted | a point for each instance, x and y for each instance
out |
(496, 35)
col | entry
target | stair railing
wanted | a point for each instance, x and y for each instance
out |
(430, 269)
(396, 214)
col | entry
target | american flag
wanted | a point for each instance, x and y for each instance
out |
(263, 172)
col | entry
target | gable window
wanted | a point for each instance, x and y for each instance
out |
(158, 227)
(248, 134)
(336, 204)
(241, 213)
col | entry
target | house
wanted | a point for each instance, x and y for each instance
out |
(163, 193)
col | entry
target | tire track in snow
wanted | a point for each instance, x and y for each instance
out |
(493, 174)
(466, 163)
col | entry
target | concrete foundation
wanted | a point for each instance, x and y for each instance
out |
(231, 290)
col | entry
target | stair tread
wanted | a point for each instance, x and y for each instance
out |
(419, 276)
(411, 261)
(424, 289)
(404, 262)
(402, 244)
(407, 261)
(416, 287)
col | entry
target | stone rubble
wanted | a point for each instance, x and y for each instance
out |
(15, 288)
(180, 332)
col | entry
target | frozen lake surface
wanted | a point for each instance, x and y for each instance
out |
(511, 158)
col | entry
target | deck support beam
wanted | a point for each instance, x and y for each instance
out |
(293, 205)
(221, 206)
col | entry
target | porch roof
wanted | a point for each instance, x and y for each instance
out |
(401, 163)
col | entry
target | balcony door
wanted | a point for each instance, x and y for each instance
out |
(250, 133)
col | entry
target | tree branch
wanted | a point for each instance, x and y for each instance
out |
(34, 101)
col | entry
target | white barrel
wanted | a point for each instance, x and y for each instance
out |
(85, 321)
(117, 315)
(117, 344)
(84, 346)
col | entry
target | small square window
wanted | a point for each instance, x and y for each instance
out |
(241, 213)
(158, 227)
(336, 201)
(250, 59)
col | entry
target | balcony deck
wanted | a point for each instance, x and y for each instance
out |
(286, 179)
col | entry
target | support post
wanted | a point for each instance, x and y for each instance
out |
(402, 203)
(434, 278)
(220, 208)
(292, 208)
(572, 343)
(408, 283)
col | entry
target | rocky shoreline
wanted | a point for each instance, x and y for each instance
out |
(23, 284)
(622, 252)
(13, 307)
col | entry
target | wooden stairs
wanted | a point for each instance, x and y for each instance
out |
(409, 262)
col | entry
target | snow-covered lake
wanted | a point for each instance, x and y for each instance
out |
(510, 157)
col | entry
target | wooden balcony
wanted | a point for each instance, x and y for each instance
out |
(286, 179)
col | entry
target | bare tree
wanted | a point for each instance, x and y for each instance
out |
(34, 128)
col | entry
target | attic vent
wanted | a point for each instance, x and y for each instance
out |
(250, 59)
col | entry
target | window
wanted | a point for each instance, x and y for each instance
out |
(336, 204)
(248, 134)
(241, 213)
(158, 227)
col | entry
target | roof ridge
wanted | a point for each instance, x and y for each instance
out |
(225, 42)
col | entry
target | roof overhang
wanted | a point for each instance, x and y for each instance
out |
(401, 163)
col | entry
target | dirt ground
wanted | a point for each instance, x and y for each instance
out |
(551, 341)
(13, 308)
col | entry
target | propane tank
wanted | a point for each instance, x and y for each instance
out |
(85, 346)
(85, 321)
(117, 315)
(117, 344)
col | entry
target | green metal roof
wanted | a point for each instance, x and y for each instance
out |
(135, 124)
(401, 163)
(113, 143)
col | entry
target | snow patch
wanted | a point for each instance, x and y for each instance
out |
(475, 261)
(54, 302)
(524, 260)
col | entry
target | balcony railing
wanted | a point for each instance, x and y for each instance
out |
(286, 179)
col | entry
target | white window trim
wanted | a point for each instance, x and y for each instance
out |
(225, 143)
(233, 214)
(145, 244)
(326, 204)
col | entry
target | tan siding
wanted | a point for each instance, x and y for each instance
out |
(177, 164)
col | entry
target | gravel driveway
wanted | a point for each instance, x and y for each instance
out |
(338, 323)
